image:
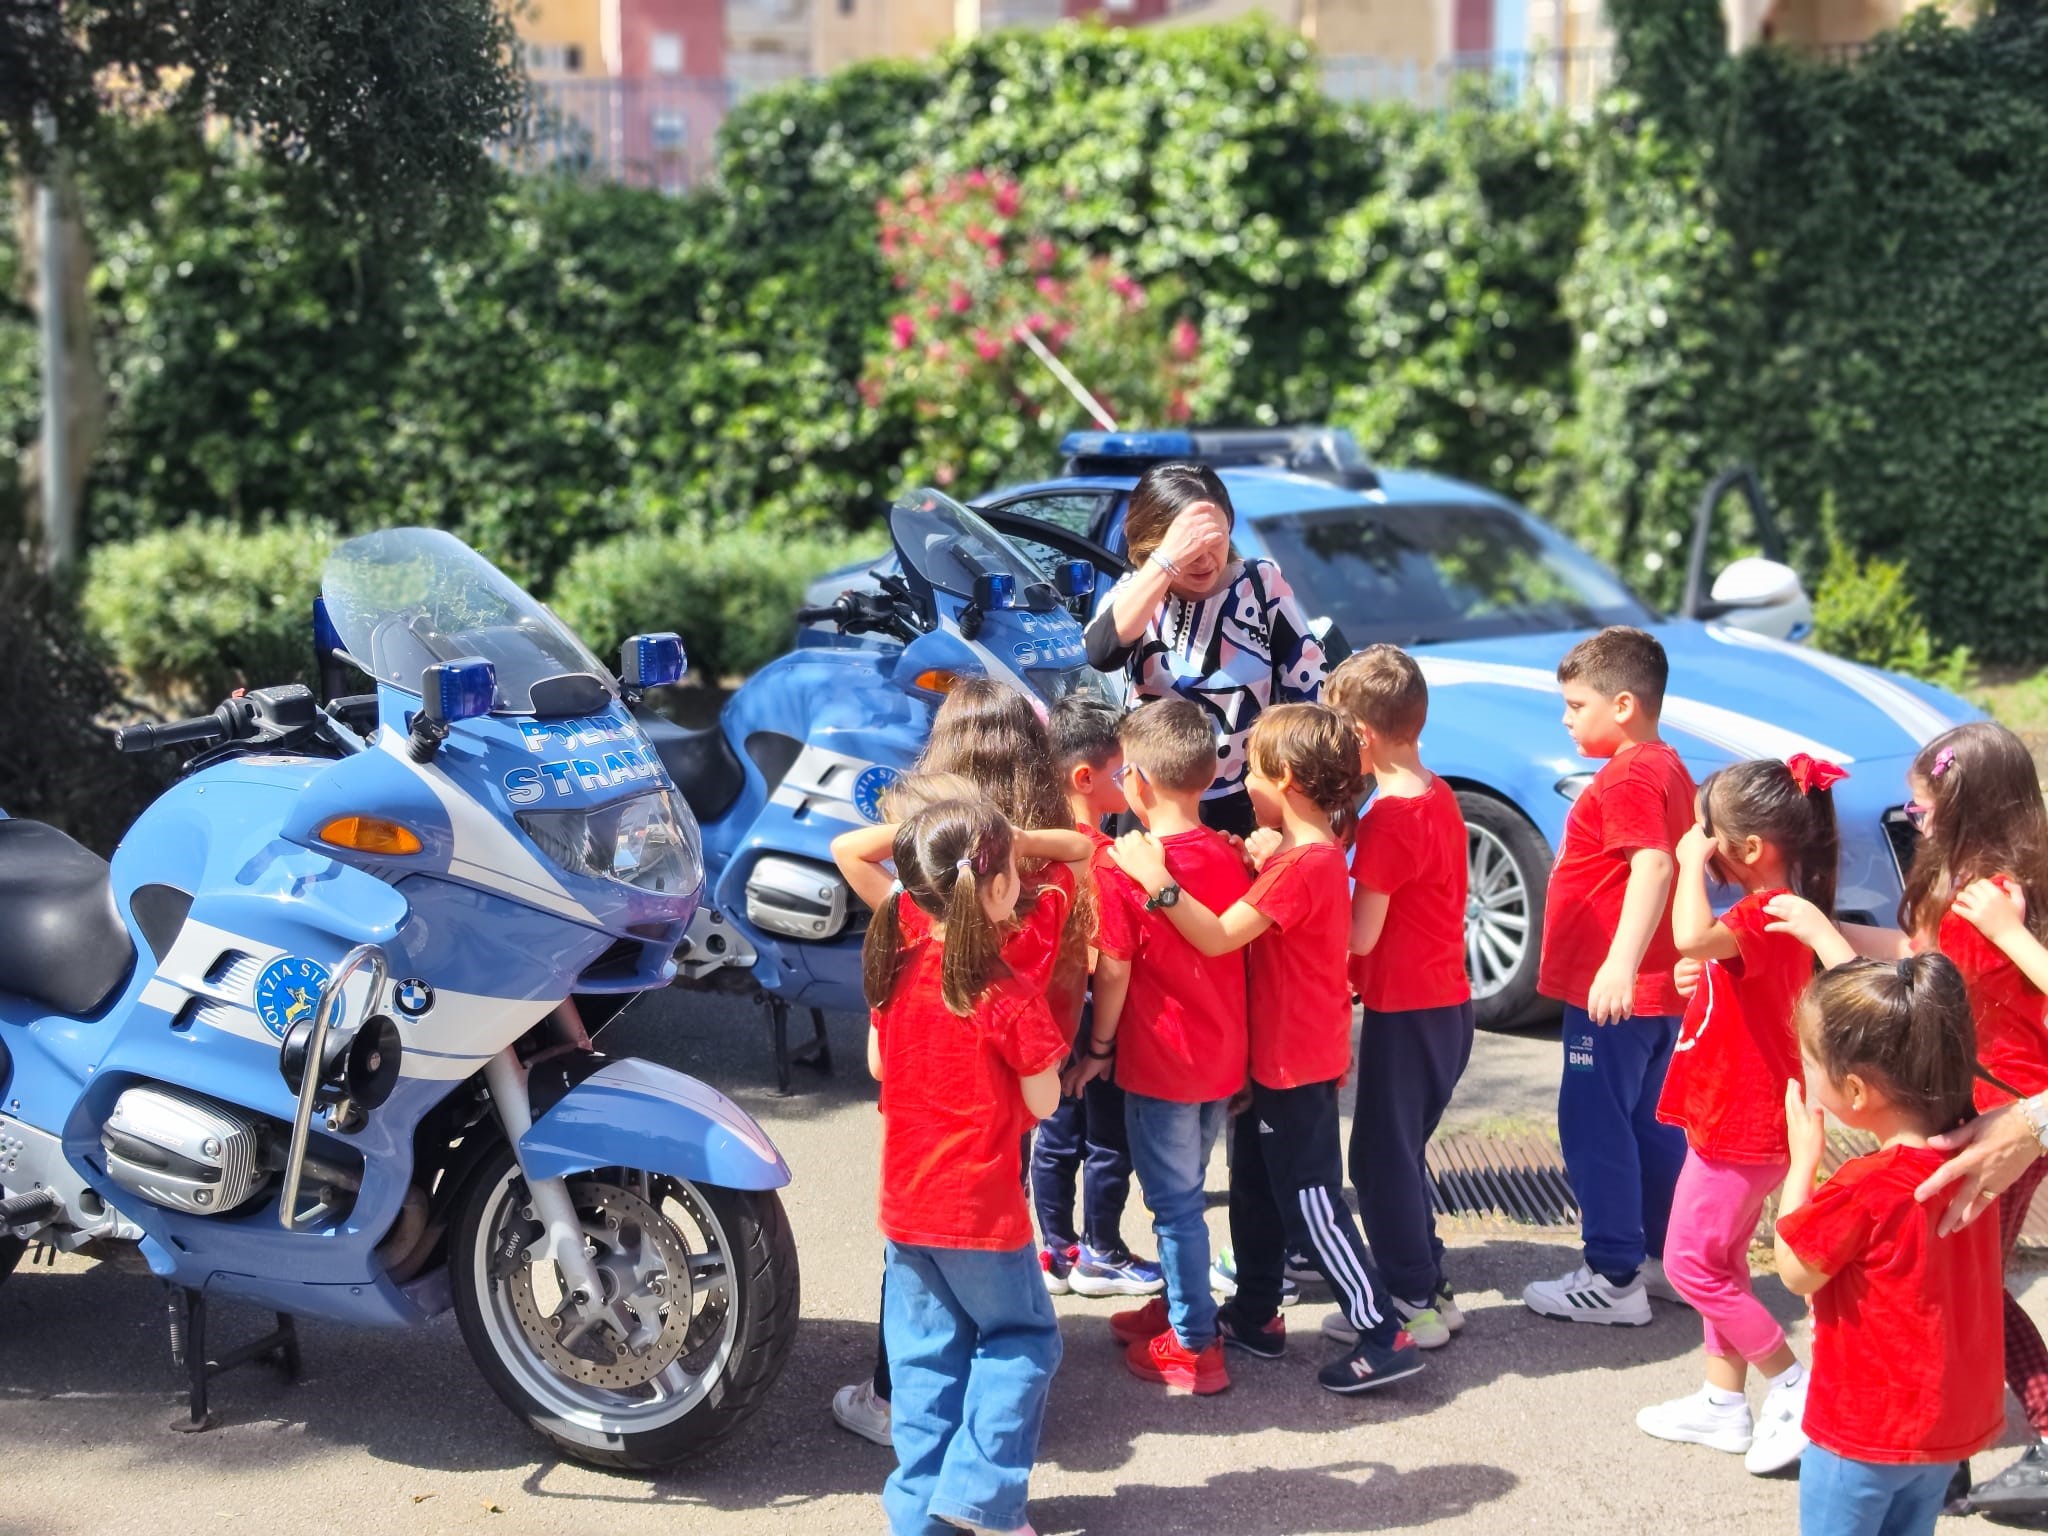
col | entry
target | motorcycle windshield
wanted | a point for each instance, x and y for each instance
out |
(949, 546)
(406, 598)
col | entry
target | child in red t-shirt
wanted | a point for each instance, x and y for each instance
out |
(1906, 1329)
(1976, 800)
(1608, 957)
(1287, 1173)
(1767, 827)
(968, 1057)
(1408, 968)
(1173, 1021)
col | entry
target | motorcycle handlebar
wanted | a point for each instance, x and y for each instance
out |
(203, 731)
(815, 615)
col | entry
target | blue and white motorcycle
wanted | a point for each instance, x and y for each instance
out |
(809, 744)
(319, 1037)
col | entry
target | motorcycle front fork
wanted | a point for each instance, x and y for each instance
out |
(562, 1236)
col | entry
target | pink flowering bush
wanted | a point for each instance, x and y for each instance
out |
(972, 273)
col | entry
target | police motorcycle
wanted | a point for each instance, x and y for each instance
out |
(319, 1038)
(809, 744)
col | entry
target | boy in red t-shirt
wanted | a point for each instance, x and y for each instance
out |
(1608, 957)
(1086, 1134)
(1908, 1339)
(1408, 968)
(1287, 1172)
(1173, 1021)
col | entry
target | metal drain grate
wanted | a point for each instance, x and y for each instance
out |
(1520, 1181)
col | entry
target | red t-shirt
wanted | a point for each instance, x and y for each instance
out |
(953, 1115)
(1413, 851)
(1300, 989)
(2011, 1017)
(1909, 1334)
(1182, 1034)
(1641, 798)
(1738, 1047)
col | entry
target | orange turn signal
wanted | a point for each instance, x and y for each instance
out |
(937, 680)
(370, 834)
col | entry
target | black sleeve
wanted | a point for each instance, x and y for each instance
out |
(1106, 653)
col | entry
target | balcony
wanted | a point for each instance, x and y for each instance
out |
(768, 26)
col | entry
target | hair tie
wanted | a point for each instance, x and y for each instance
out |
(895, 887)
(1811, 773)
(1944, 760)
(965, 866)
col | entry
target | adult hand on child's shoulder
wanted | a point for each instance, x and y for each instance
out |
(1992, 908)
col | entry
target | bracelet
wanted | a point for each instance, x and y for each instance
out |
(1103, 1055)
(2035, 1113)
(1165, 564)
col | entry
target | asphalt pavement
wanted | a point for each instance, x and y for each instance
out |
(1522, 1424)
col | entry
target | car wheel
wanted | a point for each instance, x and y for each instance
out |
(1508, 866)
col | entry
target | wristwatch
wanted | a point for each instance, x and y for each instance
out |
(1168, 895)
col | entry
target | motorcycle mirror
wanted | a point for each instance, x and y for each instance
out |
(1074, 578)
(653, 661)
(371, 1068)
(995, 589)
(462, 689)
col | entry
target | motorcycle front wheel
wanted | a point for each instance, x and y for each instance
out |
(701, 1305)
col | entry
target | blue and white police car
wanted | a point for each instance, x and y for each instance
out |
(1489, 598)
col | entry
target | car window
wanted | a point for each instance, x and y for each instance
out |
(1075, 511)
(1415, 574)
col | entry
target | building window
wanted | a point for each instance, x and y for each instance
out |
(670, 131)
(1120, 5)
(572, 59)
(667, 54)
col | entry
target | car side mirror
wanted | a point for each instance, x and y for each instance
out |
(1765, 596)
(653, 661)
(450, 691)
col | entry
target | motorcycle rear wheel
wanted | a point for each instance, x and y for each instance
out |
(706, 1275)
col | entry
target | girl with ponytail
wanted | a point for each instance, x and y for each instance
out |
(968, 1056)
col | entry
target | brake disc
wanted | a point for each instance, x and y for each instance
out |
(642, 1263)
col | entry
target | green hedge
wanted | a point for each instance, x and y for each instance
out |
(732, 597)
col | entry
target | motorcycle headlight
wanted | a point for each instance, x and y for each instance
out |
(649, 842)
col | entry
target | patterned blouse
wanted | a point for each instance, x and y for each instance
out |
(1223, 653)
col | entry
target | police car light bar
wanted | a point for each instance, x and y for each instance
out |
(1324, 453)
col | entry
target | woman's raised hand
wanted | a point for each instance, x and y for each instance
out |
(1200, 531)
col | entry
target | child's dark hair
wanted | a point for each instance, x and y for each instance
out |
(1903, 1025)
(1988, 821)
(1317, 746)
(1762, 799)
(1083, 729)
(1164, 492)
(1172, 743)
(1620, 660)
(942, 855)
(1382, 688)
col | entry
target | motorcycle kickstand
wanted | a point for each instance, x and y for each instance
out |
(815, 1053)
(188, 1349)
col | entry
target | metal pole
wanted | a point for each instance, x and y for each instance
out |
(60, 533)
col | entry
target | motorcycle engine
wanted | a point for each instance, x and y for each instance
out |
(797, 897)
(180, 1150)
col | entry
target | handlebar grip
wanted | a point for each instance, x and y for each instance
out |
(178, 733)
(814, 615)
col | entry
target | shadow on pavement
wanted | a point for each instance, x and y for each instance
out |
(1344, 1496)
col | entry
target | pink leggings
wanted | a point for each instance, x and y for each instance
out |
(1714, 1213)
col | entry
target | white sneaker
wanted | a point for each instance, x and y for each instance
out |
(1584, 1297)
(1658, 1284)
(858, 1409)
(1425, 1327)
(1780, 1431)
(1698, 1420)
(1446, 1303)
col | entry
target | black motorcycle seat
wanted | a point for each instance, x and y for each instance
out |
(62, 942)
(703, 764)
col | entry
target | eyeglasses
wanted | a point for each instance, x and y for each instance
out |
(1117, 778)
(1917, 815)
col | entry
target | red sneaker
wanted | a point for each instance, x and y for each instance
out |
(1140, 1324)
(1166, 1360)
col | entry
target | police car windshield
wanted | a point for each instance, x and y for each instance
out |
(1416, 574)
(949, 546)
(406, 598)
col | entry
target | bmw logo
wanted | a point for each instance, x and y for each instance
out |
(412, 997)
(287, 992)
(873, 783)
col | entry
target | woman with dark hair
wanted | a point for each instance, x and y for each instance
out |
(1191, 620)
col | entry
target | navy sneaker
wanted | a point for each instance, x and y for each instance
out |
(1057, 1264)
(1268, 1343)
(1304, 1269)
(1370, 1366)
(1223, 1279)
(1096, 1273)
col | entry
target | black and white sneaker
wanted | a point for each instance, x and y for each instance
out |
(1585, 1297)
(2021, 1489)
(1268, 1343)
(1371, 1366)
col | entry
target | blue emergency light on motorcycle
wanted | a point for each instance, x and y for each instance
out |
(653, 661)
(995, 590)
(462, 689)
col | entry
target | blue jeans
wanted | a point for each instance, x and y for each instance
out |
(1170, 1149)
(1840, 1497)
(1622, 1160)
(972, 1345)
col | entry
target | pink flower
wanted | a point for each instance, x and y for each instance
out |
(1126, 289)
(904, 329)
(931, 311)
(1177, 407)
(977, 179)
(1009, 197)
(944, 473)
(1185, 341)
(1049, 288)
(1059, 335)
(994, 258)
(870, 393)
(986, 346)
(936, 352)
(902, 280)
(1037, 321)
(1043, 254)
